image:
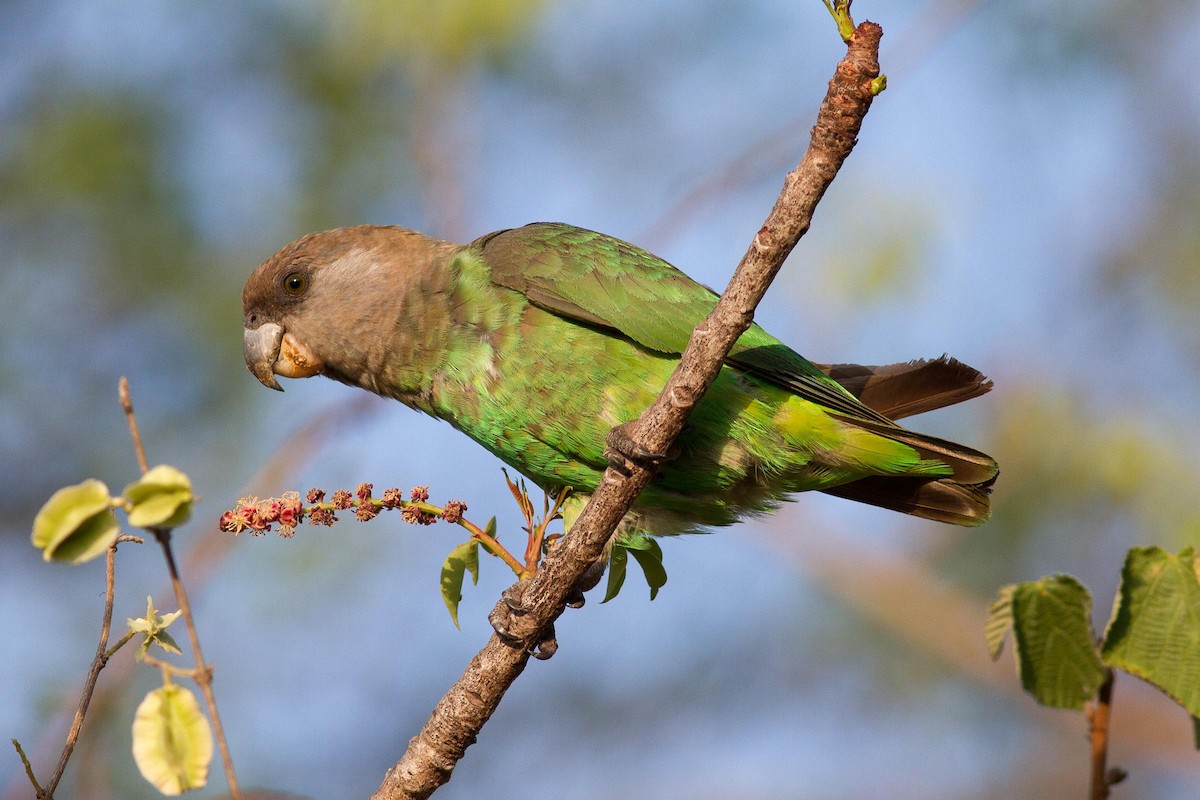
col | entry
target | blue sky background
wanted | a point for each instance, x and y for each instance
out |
(1023, 196)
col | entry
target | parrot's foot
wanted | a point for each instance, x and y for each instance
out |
(622, 450)
(548, 646)
(506, 621)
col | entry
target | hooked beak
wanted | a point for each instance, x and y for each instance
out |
(261, 348)
(270, 351)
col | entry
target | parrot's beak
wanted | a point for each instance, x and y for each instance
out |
(261, 348)
(270, 351)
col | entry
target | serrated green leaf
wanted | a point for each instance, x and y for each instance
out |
(162, 498)
(1154, 632)
(76, 524)
(999, 620)
(172, 741)
(650, 559)
(462, 559)
(618, 558)
(1054, 644)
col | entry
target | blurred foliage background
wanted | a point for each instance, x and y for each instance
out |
(1024, 196)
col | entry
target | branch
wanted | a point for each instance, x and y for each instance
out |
(527, 611)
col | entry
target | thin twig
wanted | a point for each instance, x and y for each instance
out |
(203, 673)
(172, 669)
(525, 616)
(89, 685)
(28, 769)
(124, 640)
(134, 433)
(1098, 712)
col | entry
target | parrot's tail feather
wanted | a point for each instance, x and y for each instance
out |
(913, 387)
(941, 500)
(970, 466)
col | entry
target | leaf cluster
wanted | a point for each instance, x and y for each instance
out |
(1153, 632)
(77, 523)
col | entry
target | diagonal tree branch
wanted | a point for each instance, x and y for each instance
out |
(527, 612)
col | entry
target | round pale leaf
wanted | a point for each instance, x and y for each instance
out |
(172, 741)
(76, 524)
(161, 499)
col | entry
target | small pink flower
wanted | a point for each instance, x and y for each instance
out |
(231, 523)
(454, 510)
(391, 498)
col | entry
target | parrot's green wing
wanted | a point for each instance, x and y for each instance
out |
(612, 284)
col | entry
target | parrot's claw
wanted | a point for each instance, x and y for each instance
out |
(505, 619)
(502, 615)
(548, 646)
(622, 450)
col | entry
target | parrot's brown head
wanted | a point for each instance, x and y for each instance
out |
(328, 302)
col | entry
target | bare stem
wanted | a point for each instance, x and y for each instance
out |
(134, 433)
(172, 669)
(489, 542)
(28, 769)
(1098, 712)
(495, 548)
(89, 685)
(203, 673)
(124, 640)
(525, 616)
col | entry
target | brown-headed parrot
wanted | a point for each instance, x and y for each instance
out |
(536, 341)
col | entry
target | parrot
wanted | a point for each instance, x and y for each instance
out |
(537, 341)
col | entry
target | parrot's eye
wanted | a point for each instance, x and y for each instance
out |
(295, 283)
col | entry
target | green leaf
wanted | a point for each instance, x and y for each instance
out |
(1053, 641)
(618, 558)
(172, 741)
(462, 559)
(1154, 632)
(490, 528)
(161, 499)
(999, 620)
(76, 524)
(651, 561)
